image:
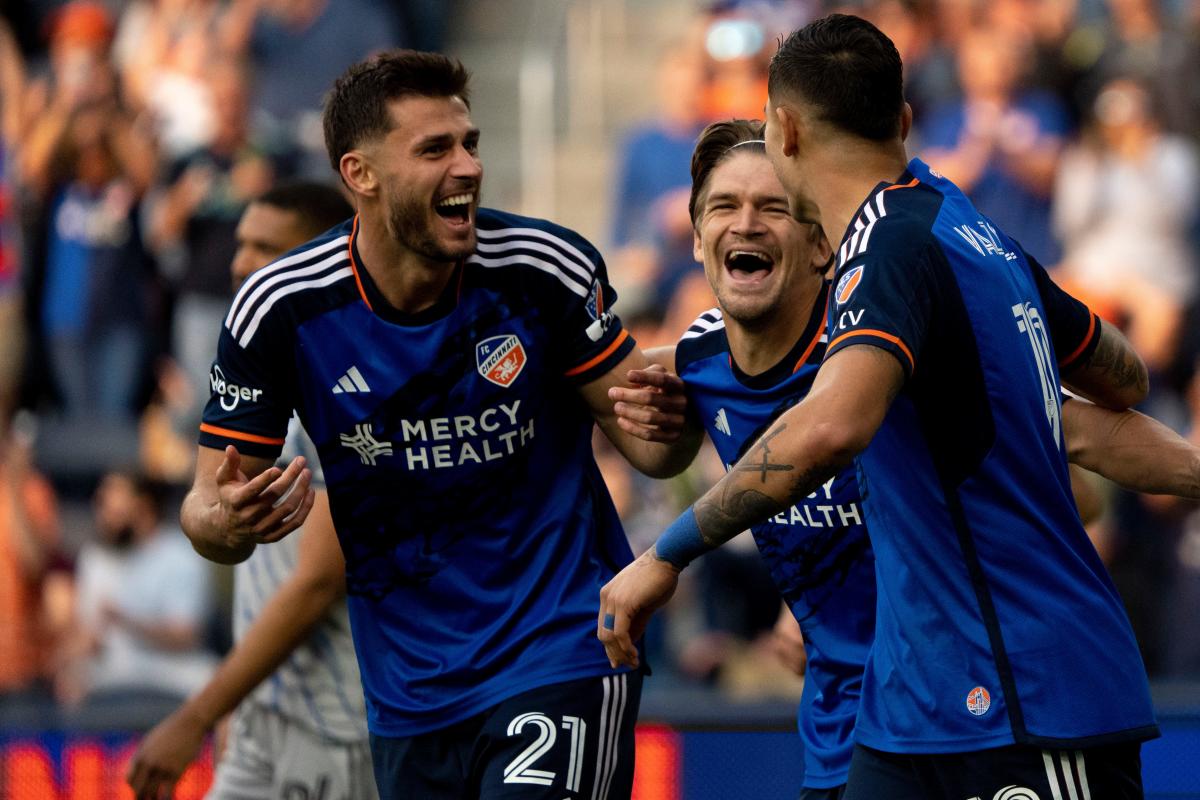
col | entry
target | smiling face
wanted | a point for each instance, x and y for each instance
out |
(757, 258)
(429, 176)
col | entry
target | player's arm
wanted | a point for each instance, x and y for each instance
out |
(805, 447)
(239, 501)
(641, 407)
(288, 617)
(1131, 449)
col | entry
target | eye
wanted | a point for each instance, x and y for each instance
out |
(471, 145)
(433, 150)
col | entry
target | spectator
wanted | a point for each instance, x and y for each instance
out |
(1001, 144)
(12, 327)
(142, 604)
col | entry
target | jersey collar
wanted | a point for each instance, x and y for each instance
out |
(376, 302)
(806, 350)
(863, 216)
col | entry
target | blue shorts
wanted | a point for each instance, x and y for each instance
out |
(832, 793)
(565, 739)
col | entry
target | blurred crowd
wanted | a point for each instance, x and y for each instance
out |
(133, 135)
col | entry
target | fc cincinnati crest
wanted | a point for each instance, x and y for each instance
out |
(848, 283)
(979, 701)
(500, 359)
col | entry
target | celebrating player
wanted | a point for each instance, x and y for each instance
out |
(448, 362)
(300, 724)
(995, 614)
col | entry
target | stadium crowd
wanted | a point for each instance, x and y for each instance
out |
(133, 135)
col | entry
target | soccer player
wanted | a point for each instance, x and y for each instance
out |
(300, 723)
(448, 362)
(1003, 661)
(748, 361)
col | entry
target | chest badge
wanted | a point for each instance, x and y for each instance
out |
(500, 359)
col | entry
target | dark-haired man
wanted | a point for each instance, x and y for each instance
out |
(300, 724)
(448, 362)
(995, 614)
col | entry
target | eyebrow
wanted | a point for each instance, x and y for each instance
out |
(445, 138)
(762, 198)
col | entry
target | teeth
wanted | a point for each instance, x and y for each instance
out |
(457, 200)
(760, 256)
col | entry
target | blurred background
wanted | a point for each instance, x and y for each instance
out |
(133, 134)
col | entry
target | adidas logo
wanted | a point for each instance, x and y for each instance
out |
(351, 383)
(722, 422)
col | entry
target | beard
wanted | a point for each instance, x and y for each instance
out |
(409, 223)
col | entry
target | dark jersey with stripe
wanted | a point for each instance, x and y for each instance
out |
(997, 622)
(457, 454)
(817, 551)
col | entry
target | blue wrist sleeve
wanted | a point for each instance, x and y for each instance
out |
(681, 541)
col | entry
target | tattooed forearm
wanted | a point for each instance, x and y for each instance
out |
(759, 459)
(1119, 363)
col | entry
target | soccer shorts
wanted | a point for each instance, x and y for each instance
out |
(1017, 772)
(564, 740)
(833, 793)
(269, 757)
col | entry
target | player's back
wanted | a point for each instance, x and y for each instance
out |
(997, 621)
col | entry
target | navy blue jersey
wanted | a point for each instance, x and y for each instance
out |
(457, 454)
(997, 623)
(817, 551)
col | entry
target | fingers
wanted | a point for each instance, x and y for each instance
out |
(291, 523)
(148, 782)
(267, 487)
(652, 398)
(228, 469)
(618, 645)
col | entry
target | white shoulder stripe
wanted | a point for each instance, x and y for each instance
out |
(545, 266)
(291, 288)
(501, 233)
(283, 263)
(268, 286)
(856, 245)
(584, 277)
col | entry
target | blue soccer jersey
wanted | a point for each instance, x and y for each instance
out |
(997, 622)
(817, 551)
(457, 454)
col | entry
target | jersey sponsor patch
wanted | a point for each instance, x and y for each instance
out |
(231, 394)
(500, 359)
(979, 700)
(848, 283)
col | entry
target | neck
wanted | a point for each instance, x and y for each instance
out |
(409, 281)
(850, 168)
(758, 346)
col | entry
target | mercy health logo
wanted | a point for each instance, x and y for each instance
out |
(230, 393)
(979, 701)
(363, 442)
(500, 359)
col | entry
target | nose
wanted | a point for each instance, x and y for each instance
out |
(467, 165)
(749, 222)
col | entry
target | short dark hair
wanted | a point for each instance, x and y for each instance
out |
(847, 70)
(319, 207)
(356, 108)
(715, 144)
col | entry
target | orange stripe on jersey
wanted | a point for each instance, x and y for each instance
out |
(908, 185)
(353, 266)
(1087, 339)
(816, 337)
(887, 337)
(608, 351)
(231, 434)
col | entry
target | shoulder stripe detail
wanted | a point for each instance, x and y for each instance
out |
(232, 434)
(596, 359)
(266, 272)
(291, 288)
(536, 263)
(268, 287)
(887, 337)
(501, 233)
(711, 320)
(582, 276)
(873, 211)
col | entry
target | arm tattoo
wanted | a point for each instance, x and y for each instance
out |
(764, 465)
(1116, 360)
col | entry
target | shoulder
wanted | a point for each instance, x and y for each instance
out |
(894, 223)
(307, 278)
(705, 337)
(536, 245)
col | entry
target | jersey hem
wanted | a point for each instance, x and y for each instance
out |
(306, 724)
(452, 716)
(968, 745)
(825, 781)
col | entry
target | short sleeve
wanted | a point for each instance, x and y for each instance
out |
(1074, 328)
(883, 299)
(593, 341)
(249, 402)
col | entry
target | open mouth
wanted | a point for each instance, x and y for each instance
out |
(749, 265)
(456, 208)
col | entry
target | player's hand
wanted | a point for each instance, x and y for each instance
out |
(627, 603)
(163, 756)
(266, 508)
(654, 408)
(787, 642)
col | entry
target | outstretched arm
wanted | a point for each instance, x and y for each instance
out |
(1131, 449)
(286, 619)
(1113, 375)
(811, 442)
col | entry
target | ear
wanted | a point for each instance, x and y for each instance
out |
(357, 173)
(789, 129)
(906, 117)
(697, 249)
(822, 252)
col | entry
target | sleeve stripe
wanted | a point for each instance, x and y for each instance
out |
(581, 265)
(231, 434)
(608, 351)
(552, 268)
(887, 337)
(1087, 339)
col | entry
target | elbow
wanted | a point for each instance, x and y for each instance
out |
(835, 443)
